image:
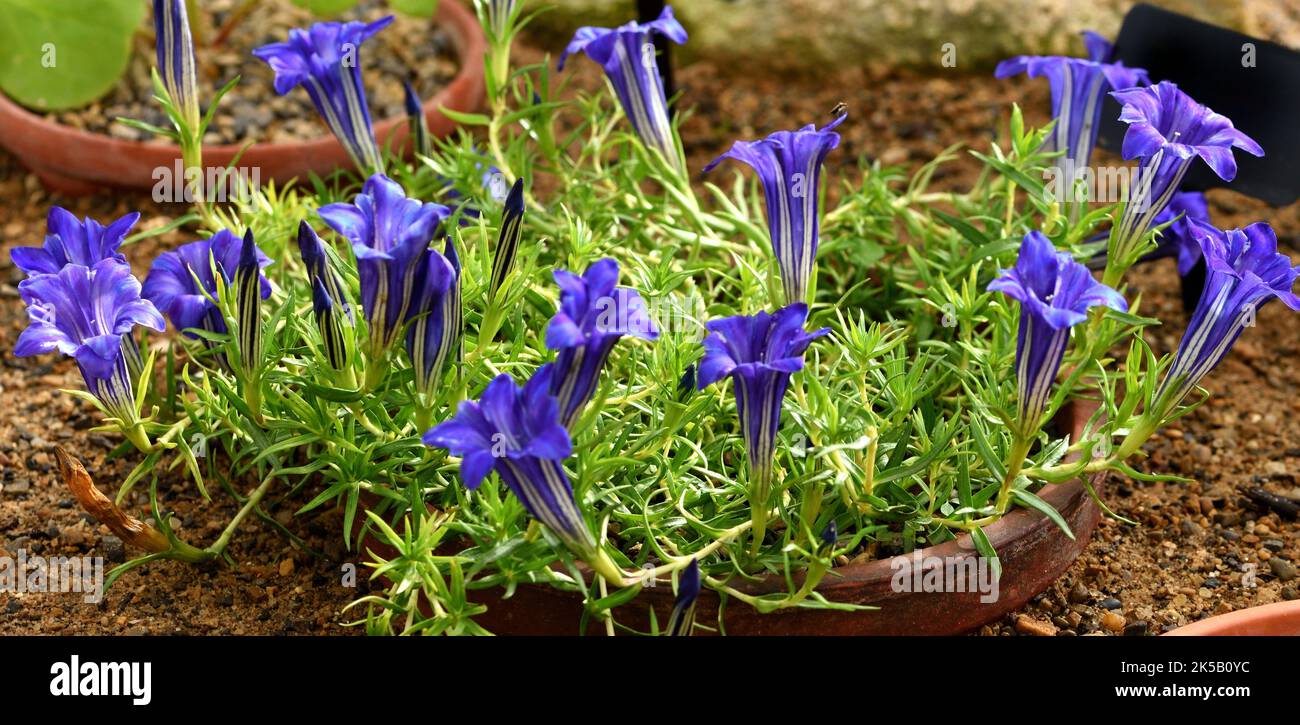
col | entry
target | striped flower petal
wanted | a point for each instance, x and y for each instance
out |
(323, 59)
(1055, 293)
(789, 167)
(627, 54)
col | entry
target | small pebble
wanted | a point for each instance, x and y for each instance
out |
(1079, 594)
(114, 550)
(1227, 519)
(1110, 603)
(1028, 625)
(1135, 629)
(1282, 569)
(1113, 621)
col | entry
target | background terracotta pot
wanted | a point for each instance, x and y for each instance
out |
(72, 161)
(1033, 552)
(1279, 619)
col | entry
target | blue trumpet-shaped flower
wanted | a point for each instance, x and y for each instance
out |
(682, 619)
(69, 240)
(789, 166)
(1078, 87)
(88, 314)
(433, 336)
(517, 432)
(512, 226)
(686, 384)
(498, 14)
(1167, 131)
(323, 59)
(1244, 270)
(329, 320)
(1055, 293)
(830, 535)
(319, 266)
(1179, 238)
(176, 64)
(594, 313)
(247, 286)
(390, 236)
(759, 353)
(421, 141)
(181, 283)
(628, 56)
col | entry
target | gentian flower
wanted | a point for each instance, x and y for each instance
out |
(686, 384)
(789, 166)
(72, 241)
(512, 226)
(434, 333)
(390, 236)
(329, 321)
(181, 283)
(499, 12)
(1179, 238)
(1078, 87)
(248, 303)
(1167, 131)
(1244, 270)
(421, 141)
(517, 432)
(333, 314)
(176, 58)
(830, 535)
(682, 620)
(323, 59)
(1055, 293)
(319, 267)
(89, 314)
(759, 353)
(594, 312)
(627, 54)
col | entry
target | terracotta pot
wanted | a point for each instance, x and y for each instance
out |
(72, 161)
(1273, 620)
(1033, 552)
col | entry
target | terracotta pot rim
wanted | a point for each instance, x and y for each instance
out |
(1018, 523)
(1278, 618)
(28, 128)
(1034, 551)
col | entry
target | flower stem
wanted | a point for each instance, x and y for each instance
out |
(1138, 434)
(139, 438)
(1019, 450)
(218, 546)
(760, 490)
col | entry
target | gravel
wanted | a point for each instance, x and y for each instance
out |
(409, 49)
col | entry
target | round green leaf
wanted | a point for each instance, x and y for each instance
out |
(326, 8)
(415, 8)
(57, 54)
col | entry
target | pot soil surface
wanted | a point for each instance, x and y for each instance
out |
(409, 49)
(1202, 548)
